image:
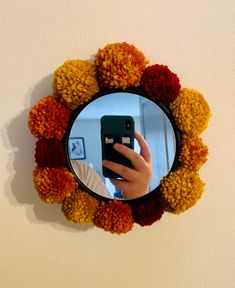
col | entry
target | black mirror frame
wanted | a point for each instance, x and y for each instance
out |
(138, 91)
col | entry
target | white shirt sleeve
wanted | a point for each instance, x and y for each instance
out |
(90, 178)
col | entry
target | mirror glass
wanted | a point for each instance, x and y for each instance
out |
(84, 146)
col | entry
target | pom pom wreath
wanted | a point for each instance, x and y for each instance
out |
(79, 207)
(48, 119)
(191, 112)
(117, 66)
(50, 153)
(193, 153)
(120, 65)
(147, 211)
(180, 190)
(75, 83)
(115, 217)
(53, 184)
(160, 84)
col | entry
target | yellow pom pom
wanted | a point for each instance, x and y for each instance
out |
(75, 83)
(191, 112)
(79, 207)
(180, 190)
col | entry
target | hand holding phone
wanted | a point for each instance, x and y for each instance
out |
(135, 182)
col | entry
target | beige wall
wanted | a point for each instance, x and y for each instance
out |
(38, 247)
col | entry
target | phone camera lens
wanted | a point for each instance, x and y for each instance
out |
(128, 124)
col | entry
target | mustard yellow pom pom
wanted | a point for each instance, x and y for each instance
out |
(79, 207)
(75, 83)
(120, 65)
(191, 112)
(180, 190)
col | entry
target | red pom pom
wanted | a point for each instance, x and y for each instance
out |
(147, 211)
(160, 84)
(50, 153)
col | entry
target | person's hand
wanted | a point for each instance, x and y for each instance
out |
(136, 180)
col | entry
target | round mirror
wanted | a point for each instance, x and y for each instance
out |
(114, 118)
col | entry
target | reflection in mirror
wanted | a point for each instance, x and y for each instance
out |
(85, 145)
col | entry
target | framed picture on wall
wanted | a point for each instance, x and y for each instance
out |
(77, 148)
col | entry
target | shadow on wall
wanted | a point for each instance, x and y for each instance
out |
(19, 187)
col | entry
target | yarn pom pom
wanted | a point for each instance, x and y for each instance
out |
(48, 119)
(191, 112)
(193, 153)
(115, 217)
(79, 207)
(50, 153)
(180, 190)
(119, 66)
(160, 84)
(53, 184)
(75, 82)
(147, 211)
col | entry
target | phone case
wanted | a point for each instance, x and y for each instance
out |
(116, 129)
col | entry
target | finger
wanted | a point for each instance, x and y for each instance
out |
(144, 147)
(123, 171)
(120, 184)
(136, 159)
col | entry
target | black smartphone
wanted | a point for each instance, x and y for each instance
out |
(116, 129)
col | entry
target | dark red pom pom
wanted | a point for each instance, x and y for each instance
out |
(50, 153)
(160, 84)
(147, 211)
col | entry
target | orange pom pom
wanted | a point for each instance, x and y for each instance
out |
(193, 153)
(115, 217)
(53, 184)
(120, 65)
(48, 119)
